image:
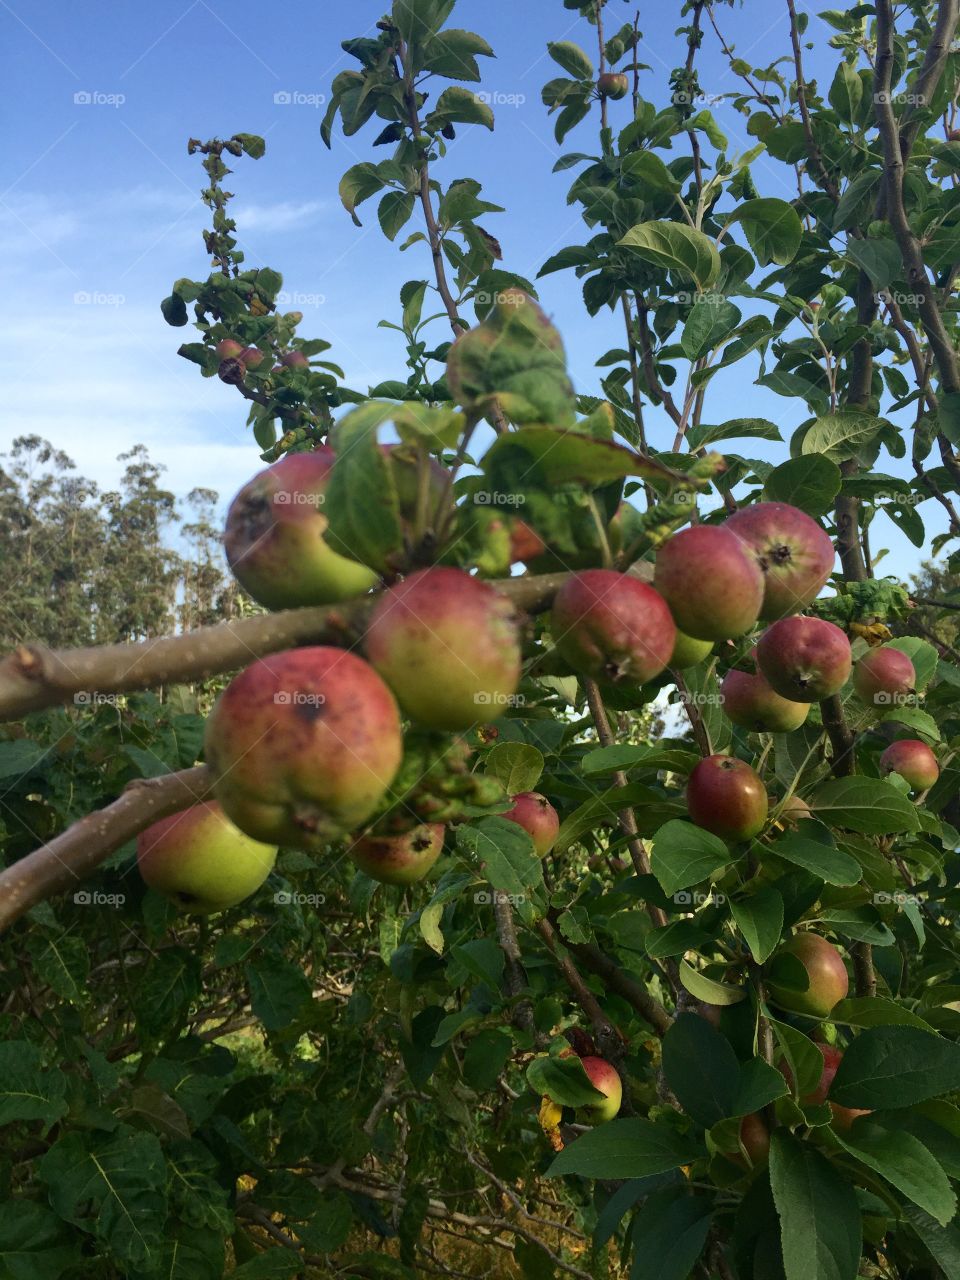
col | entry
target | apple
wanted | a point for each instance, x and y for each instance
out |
(843, 1117)
(826, 971)
(713, 586)
(612, 627)
(913, 761)
(804, 659)
(613, 84)
(604, 1077)
(538, 817)
(294, 360)
(687, 651)
(750, 702)
(884, 676)
(794, 553)
(200, 861)
(755, 1140)
(448, 646)
(727, 797)
(303, 746)
(274, 537)
(525, 543)
(402, 859)
(228, 349)
(795, 810)
(252, 357)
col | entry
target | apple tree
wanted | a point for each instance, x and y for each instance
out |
(552, 872)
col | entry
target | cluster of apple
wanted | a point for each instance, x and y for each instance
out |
(236, 359)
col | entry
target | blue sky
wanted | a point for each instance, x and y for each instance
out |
(100, 202)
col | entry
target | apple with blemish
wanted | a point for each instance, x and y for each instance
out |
(804, 659)
(713, 586)
(229, 349)
(612, 627)
(913, 761)
(538, 817)
(726, 797)
(402, 859)
(794, 554)
(613, 84)
(750, 702)
(884, 676)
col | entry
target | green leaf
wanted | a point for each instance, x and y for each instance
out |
(505, 852)
(453, 53)
(905, 1163)
(34, 1244)
(684, 855)
(820, 1224)
(942, 1243)
(668, 1235)
(892, 1067)
(709, 324)
(840, 435)
(459, 106)
(486, 1056)
(773, 229)
(648, 169)
(875, 1011)
(826, 863)
(802, 1056)
(675, 939)
(279, 991)
(810, 483)
(677, 248)
(571, 58)
(760, 919)
(359, 183)
(168, 984)
(360, 529)
(701, 1068)
(707, 989)
(760, 1084)
(430, 926)
(27, 1090)
(631, 1148)
(640, 756)
(516, 765)
(868, 805)
(880, 259)
(394, 212)
(921, 653)
(845, 93)
(174, 311)
(698, 437)
(276, 1264)
(562, 1079)
(568, 457)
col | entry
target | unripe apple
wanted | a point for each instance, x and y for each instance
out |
(604, 1077)
(755, 1139)
(795, 810)
(538, 817)
(727, 797)
(228, 349)
(402, 859)
(274, 537)
(826, 971)
(713, 586)
(884, 676)
(252, 357)
(294, 360)
(913, 761)
(447, 645)
(687, 651)
(794, 553)
(613, 84)
(843, 1117)
(201, 861)
(805, 659)
(750, 702)
(612, 627)
(303, 746)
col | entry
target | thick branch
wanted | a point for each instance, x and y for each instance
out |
(841, 737)
(65, 861)
(614, 978)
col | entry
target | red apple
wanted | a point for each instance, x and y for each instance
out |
(228, 349)
(294, 360)
(274, 537)
(826, 971)
(805, 659)
(303, 746)
(884, 677)
(613, 84)
(402, 859)
(750, 702)
(794, 553)
(538, 817)
(201, 861)
(525, 543)
(447, 644)
(612, 627)
(755, 1139)
(727, 797)
(713, 586)
(913, 761)
(604, 1077)
(252, 357)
